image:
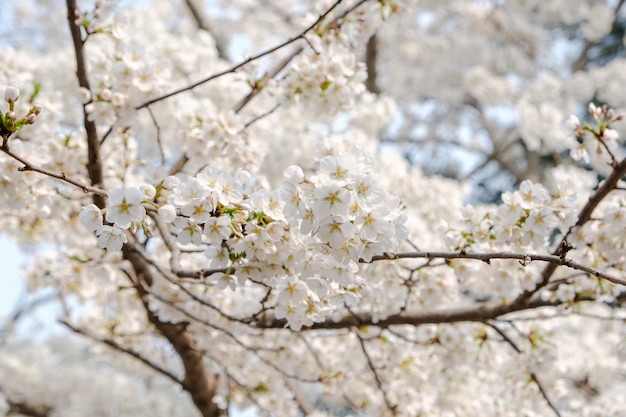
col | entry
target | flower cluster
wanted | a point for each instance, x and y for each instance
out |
(125, 209)
(326, 77)
(9, 122)
(305, 239)
(596, 144)
(220, 137)
(526, 218)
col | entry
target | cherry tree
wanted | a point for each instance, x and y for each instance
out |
(357, 207)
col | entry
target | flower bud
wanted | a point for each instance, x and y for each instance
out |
(31, 119)
(170, 183)
(167, 213)
(11, 94)
(36, 109)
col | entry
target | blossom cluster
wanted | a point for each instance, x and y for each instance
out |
(597, 144)
(327, 76)
(526, 218)
(304, 239)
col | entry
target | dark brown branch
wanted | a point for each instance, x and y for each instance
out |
(94, 165)
(371, 52)
(197, 381)
(111, 343)
(28, 409)
(472, 313)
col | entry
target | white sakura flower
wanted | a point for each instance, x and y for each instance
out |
(450, 337)
(292, 197)
(338, 169)
(335, 232)
(222, 280)
(190, 231)
(572, 122)
(101, 113)
(198, 210)
(332, 199)
(126, 207)
(185, 192)
(219, 257)
(565, 292)
(217, 229)
(230, 189)
(373, 223)
(111, 238)
(167, 213)
(91, 217)
(230, 122)
(511, 210)
(291, 289)
(310, 222)
(118, 99)
(533, 195)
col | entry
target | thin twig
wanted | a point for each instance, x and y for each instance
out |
(27, 166)
(379, 383)
(486, 257)
(533, 376)
(111, 343)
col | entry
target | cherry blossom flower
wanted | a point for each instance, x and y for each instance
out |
(91, 216)
(111, 238)
(125, 207)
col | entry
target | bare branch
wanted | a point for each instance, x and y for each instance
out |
(533, 376)
(27, 166)
(111, 343)
(486, 257)
(28, 409)
(371, 53)
(392, 407)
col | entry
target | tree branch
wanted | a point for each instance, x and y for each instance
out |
(392, 407)
(27, 166)
(533, 376)
(111, 343)
(94, 165)
(28, 409)
(486, 257)
(197, 381)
